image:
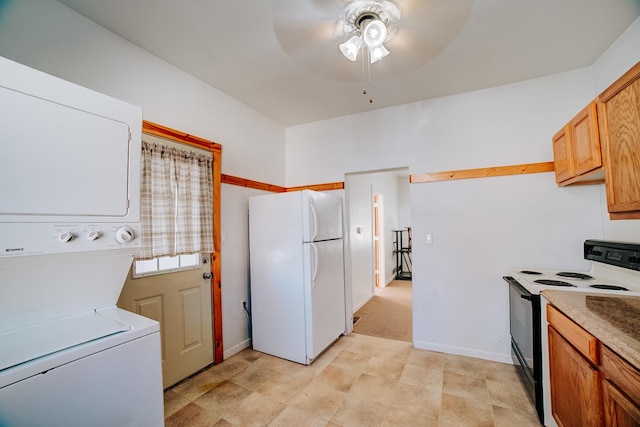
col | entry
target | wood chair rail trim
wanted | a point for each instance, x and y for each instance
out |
(482, 172)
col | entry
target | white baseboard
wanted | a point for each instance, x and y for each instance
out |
(461, 351)
(359, 306)
(236, 348)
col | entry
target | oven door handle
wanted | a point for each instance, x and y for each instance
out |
(524, 294)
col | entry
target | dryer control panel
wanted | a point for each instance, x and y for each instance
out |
(40, 239)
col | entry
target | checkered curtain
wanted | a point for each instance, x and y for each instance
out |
(176, 198)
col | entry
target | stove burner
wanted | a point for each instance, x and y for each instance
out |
(535, 273)
(572, 275)
(609, 287)
(553, 283)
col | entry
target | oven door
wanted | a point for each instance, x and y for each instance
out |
(521, 327)
(524, 321)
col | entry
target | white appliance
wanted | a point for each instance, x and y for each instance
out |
(69, 227)
(297, 273)
(615, 269)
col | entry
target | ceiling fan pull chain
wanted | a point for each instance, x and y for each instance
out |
(369, 71)
(366, 72)
(364, 77)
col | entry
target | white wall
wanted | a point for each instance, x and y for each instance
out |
(50, 37)
(235, 267)
(482, 228)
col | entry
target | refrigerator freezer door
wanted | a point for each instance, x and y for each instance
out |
(324, 214)
(324, 294)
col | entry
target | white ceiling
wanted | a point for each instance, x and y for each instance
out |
(236, 47)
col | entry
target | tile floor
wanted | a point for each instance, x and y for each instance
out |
(359, 381)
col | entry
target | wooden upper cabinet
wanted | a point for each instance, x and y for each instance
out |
(576, 149)
(620, 129)
(563, 155)
(586, 140)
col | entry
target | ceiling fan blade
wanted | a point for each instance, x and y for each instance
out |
(306, 10)
(426, 29)
(315, 47)
(330, 5)
(296, 35)
(306, 30)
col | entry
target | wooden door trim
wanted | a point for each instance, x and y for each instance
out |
(248, 183)
(216, 285)
(376, 240)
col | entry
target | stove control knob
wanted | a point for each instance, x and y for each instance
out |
(66, 237)
(125, 234)
(634, 259)
(94, 235)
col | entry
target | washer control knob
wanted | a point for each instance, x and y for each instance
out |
(125, 234)
(94, 235)
(66, 237)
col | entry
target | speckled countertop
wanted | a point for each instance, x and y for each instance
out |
(612, 319)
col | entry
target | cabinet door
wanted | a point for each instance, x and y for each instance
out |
(563, 155)
(620, 390)
(621, 128)
(586, 140)
(575, 385)
(619, 410)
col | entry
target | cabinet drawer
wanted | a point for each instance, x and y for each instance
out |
(625, 376)
(582, 340)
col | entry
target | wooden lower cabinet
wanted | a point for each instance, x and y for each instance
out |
(590, 384)
(575, 385)
(619, 410)
(620, 390)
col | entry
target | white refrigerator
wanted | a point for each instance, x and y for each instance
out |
(297, 273)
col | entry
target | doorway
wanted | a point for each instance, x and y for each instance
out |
(377, 202)
(186, 301)
(180, 300)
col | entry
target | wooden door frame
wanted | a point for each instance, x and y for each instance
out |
(216, 291)
(376, 240)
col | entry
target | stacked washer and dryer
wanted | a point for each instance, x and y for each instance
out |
(69, 228)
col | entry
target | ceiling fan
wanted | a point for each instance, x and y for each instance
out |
(342, 40)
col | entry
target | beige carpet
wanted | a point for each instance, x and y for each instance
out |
(388, 313)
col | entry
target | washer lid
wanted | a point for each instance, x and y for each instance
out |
(29, 343)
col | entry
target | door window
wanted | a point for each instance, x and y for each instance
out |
(165, 264)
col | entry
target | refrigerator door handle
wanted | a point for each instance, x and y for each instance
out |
(314, 222)
(314, 248)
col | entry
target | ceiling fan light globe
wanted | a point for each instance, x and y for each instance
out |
(351, 47)
(375, 32)
(377, 53)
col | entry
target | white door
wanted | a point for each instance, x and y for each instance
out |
(181, 302)
(325, 297)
